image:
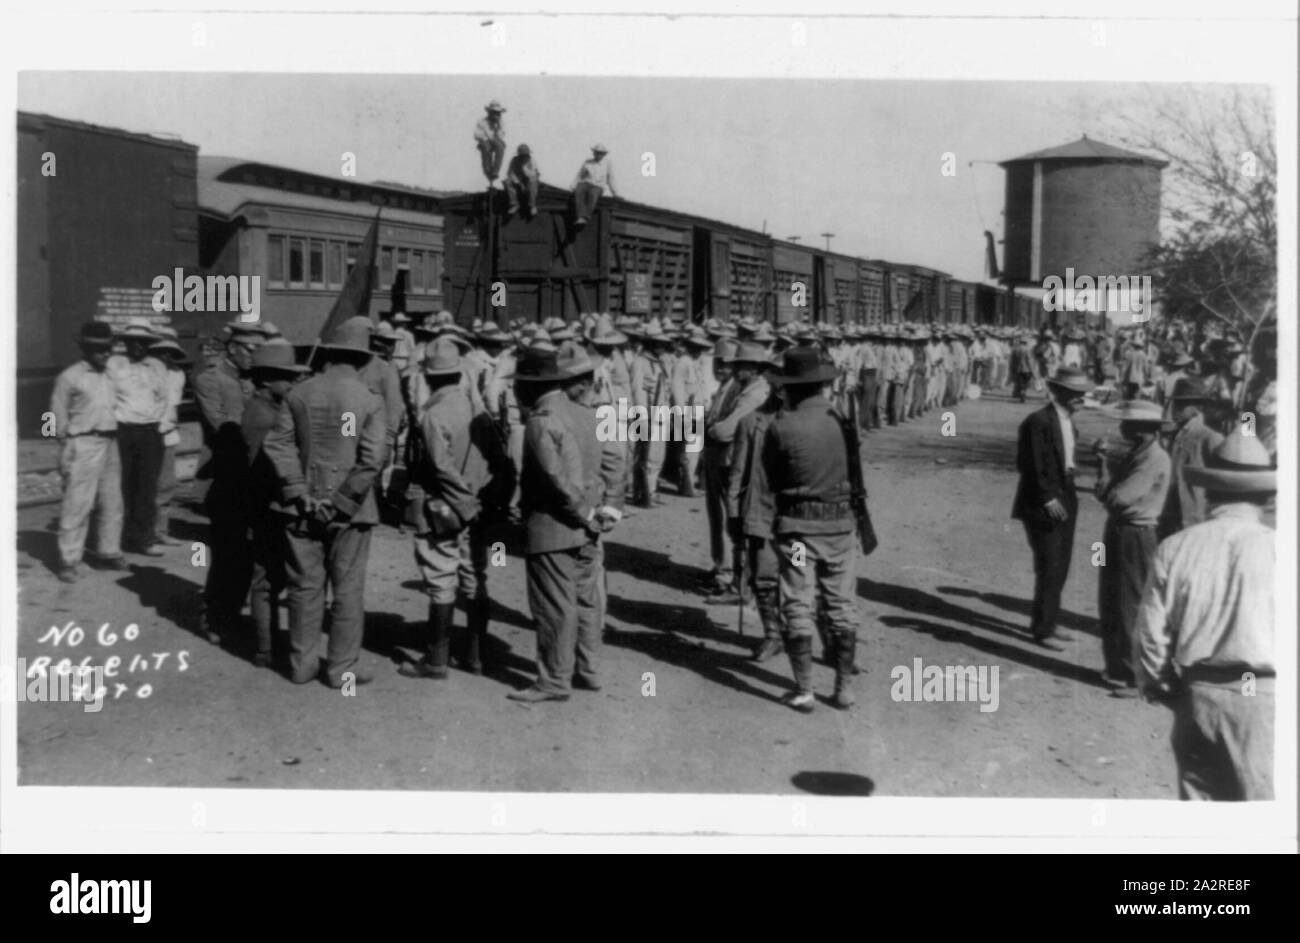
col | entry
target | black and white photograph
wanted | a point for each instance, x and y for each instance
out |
(841, 424)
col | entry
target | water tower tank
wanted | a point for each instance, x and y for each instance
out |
(1088, 206)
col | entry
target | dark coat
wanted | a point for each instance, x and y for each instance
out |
(1040, 458)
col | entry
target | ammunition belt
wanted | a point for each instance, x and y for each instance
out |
(812, 509)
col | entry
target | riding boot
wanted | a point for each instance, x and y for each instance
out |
(769, 613)
(846, 646)
(799, 648)
(438, 650)
(476, 635)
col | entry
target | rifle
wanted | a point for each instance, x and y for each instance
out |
(858, 488)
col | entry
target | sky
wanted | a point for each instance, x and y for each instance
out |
(862, 159)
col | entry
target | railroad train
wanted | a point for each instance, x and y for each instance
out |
(103, 212)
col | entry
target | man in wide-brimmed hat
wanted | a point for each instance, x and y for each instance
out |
(1046, 502)
(490, 139)
(460, 482)
(83, 405)
(744, 393)
(595, 179)
(1204, 637)
(1190, 446)
(1134, 495)
(690, 372)
(571, 493)
(140, 381)
(651, 389)
(274, 371)
(806, 463)
(328, 450)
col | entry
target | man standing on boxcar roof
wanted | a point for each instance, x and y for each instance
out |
(84, 422)
(490, 138)
(328, 448)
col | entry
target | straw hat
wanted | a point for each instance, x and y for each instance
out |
(441, 358)
(1138, 411)
(353, 335)
(137, 329)
(1072, 379)
(1240, 465)
(802, 365)
(277, 356)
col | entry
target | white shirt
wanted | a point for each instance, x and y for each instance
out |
(1067, 434)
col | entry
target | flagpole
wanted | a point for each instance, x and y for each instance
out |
(368, 249)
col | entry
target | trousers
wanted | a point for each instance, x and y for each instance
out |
(268, 579)
(92, 481)
(1129, 552)
(716, 475)
(564, 598)
(585, 197)
(825, 582)
(141, 449)
(869, 406)
(317, 554)
(454, 563)
(764, 582)
(492, 154)
(166, 491)
(1223, 741)
(230, 564)
(1052, 545)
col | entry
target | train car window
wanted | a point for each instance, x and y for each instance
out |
(433, 272)
(316, 269)
(404, 262)
(385, 267)
(334, 271)
(353, 249)
(275, 261)
(417, 272)
(297, 263)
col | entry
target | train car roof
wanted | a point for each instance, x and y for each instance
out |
(33, 121)
(227, 184)
(550, 196)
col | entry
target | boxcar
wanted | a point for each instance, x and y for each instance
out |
(871, 291)
(101, 214)
(301, 233)
(898, 291)
(839, 292)
(630, 258)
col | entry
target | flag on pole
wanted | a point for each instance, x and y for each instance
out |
(354, 299)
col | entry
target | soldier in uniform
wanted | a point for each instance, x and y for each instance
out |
(805, 461)
(688, 395)
(84, 422)
(273, 372)
(750, 513)
(571, 496)
(650, 391)
(464, 478)
(328, 448)
(381, 377)
(747, 393)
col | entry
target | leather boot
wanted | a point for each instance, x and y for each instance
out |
(476, 634)
(799, 648)
(434, 662)
(846, 647)
(769, 613)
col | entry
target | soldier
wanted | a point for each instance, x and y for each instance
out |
(650, 392)
(219, 390)
(750, 513)
(328, 448)
(806, 463)
(404, 345)
(464, 478)
(140, 383)
(717, 464)
(688, 395)
(169, 352)
(83, 406)
(570, 497)
(870, 374)
(273, 372)
(748, 391)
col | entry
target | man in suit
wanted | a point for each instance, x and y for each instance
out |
(570, 494)
(1190, 446)
(1046, 502)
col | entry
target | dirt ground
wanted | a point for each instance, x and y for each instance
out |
(950, 584)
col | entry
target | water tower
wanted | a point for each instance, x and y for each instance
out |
(1085, 206)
